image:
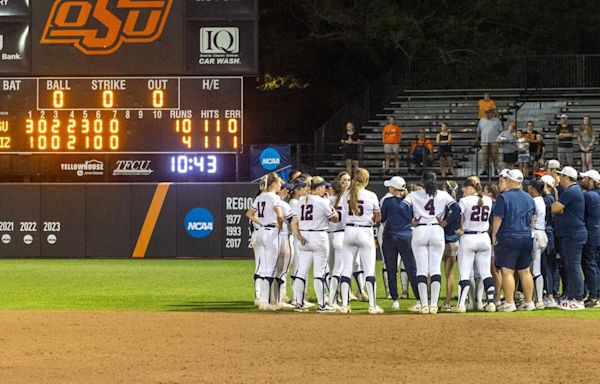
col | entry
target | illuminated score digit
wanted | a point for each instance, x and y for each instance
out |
(185, 126)
(108, 99)
(58, 99)
(232, 127)
(158, 99)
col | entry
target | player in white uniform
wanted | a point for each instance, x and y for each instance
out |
(314, 212)
(267, 214)
(363, 212)
(475, 244)
(336, 237)
(285, 248)
(300, 190)
(429, 206)
(540, 239)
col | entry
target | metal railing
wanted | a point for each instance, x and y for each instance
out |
(556, 71)
(359, 110)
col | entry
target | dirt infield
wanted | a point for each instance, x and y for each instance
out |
(146, 347)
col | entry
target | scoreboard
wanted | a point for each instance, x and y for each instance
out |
(124, 90)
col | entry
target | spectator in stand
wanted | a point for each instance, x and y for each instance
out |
(392, 134)
(523, 150)
(485, 104)
(586, 140)
(421, 152)
(444, 142)
(533, 138)
(352, 144)
(488, 130)
(508, 140)
(572, 232)
(564, 135)
(541, 152)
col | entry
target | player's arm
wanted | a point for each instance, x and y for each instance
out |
(558, 208)
(295, 226)
(498, 212)
(280, 218)
(251, 215)
(376, 217)
(495, 228)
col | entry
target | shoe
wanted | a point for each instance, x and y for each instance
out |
(480, 307)
(446, 307)
(490, 307)
(268, 307)
(404, 296)
(345, 310)
(572, 305)
(286, 299)
(308, 304)
(550, 304)
(433, 309)
(590, 303)
(352, 297)
(519, 297)
(507, 307)
(395, 306)
(257, 302)
(459, 309)
(325, 309)
(299, 308)
(527, 307)
(470, 306)
(284, 305)
(424, 310)
(376, 310)
(363, 297)
(388, 296)
(415, 308)
(540, 305)
(597, 304)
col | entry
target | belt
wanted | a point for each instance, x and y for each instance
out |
(339, 230)
(313, 230)
(427, 225)
(269, 227)
(474, 232)
(539, 229)
(359, 226)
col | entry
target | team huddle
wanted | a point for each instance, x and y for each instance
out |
(513, 244)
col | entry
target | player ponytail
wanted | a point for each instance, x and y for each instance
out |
(430, 183)
(361, 179)
(338, 190)
(478, 189)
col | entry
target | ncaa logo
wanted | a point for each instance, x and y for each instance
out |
(270, 159)
(199, 223)
(219, 40)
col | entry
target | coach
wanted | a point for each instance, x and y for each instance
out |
(511, 235)
(591, 251)
(570, 227)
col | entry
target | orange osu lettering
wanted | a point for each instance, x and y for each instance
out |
(100, 27)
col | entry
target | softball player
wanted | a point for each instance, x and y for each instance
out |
(285, 250)
(257, 280)
(336, 237)
(266, 212)
(540, 239)
(314, 211)
(362, 207)
(475, 244)
(428, 243)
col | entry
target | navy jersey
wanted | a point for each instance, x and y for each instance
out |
(453, 219)
(571, 223)
(397, 217)
(516, 208)
(592, 216)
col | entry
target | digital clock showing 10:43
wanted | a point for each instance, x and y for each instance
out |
(121, 115)
(188, 164)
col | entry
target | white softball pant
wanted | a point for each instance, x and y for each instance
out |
(428, 247)
(475, 249)
(358, 241)
(314, 252)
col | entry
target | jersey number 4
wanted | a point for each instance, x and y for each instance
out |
(430, 207)
(480, 213)
(307, 212)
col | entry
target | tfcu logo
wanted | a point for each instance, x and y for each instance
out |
(100, 27)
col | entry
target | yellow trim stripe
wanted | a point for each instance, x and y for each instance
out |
(151, 217)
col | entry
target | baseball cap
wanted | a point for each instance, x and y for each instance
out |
(563, 116)
(549, 180)
(515, 175)
(299, 184)
(553, 164)
(396, 182)
(288, 186)
(592, 174)
(318, 181)
(569, 172)
(504, 172)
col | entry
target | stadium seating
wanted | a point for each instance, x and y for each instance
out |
(427, 109)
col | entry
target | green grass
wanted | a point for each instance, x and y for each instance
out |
(154, 285)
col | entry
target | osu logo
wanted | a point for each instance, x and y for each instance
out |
(95, 29)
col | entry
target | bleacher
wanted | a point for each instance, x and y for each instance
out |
(427, 109)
